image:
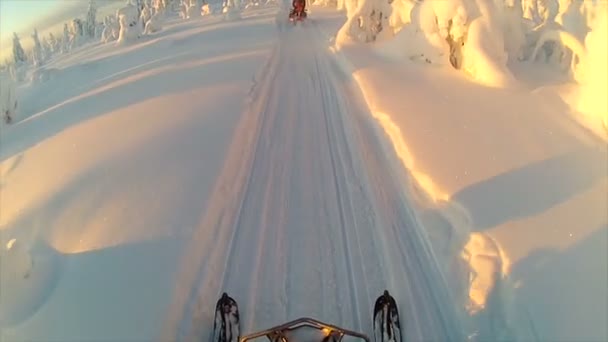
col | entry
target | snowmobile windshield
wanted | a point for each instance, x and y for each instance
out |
(306, 330)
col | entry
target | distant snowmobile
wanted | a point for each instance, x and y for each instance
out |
(226, 327)
(298, 13)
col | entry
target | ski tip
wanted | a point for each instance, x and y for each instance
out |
(386, 294)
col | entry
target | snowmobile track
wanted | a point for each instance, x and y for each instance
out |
(307, 219)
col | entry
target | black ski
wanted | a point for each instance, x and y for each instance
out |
(226, 325)
(386, 319)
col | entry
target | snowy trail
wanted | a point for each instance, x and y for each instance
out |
(307, 218)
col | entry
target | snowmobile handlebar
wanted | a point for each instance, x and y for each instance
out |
(332, 333)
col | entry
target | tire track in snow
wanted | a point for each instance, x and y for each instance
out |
(202, 268)
(428, 311)
(327, 106)
(315, 224)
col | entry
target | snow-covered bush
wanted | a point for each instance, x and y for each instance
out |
(434, 28)
(367, 19)
(8, 98)
(483, 47)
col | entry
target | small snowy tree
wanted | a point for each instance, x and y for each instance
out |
(157, 15)
(65, 39)
(90, 23)
(47, 49)
(37, 53)
(110, 29)
(53, 43)
(366, 20)
(8, 97)
(145, 15)
(18, 53)
(128, 18)
(189, 9)
(139, 4)
(76, 37)
(155, 23)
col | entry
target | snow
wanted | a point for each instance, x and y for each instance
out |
(304, 172)
(514, 178)
(591, 99)
(130, 27)
(104, 179)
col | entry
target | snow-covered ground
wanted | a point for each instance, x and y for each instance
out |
(106, 179)
(521, 184)
(250, 156)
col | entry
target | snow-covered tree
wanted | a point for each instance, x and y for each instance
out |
(155, 23)
(18, 52)
(65, 39)
(366, 20)
(110, 29)
(139, 5)
(128, 19)
(8, 97)
(145, 15)
(76, 33)
(47, 48)
(90, 24)
(37, 51)
(53, 43)
(189, 9)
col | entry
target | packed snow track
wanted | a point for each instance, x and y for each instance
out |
(307, 217)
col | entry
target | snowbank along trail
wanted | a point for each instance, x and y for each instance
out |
(306, 218)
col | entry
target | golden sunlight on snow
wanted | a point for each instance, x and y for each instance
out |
(67, 176)
(488, 263)
(393, 131)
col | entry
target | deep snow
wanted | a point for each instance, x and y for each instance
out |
(254, 157)
(520, 187)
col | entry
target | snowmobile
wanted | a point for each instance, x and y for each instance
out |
(386, 325)
(298, 13)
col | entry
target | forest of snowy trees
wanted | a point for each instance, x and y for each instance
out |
(484, 37)
(479, 37)
(135, 19)
(130, 22)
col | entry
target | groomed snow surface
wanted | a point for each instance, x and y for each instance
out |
(241, 153)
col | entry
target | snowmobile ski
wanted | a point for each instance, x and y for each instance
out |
(387, 327)
(226, 327)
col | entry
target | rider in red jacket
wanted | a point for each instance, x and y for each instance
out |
(298, 5)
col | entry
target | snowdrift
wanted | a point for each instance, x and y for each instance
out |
(509, 188)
